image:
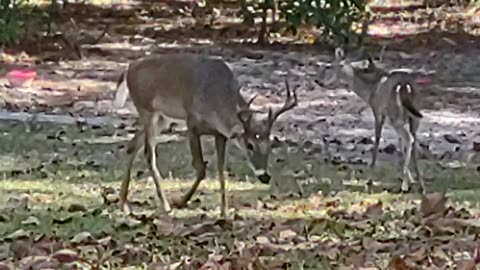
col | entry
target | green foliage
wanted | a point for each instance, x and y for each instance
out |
(334, 17)
(11, 26)
(17, 18)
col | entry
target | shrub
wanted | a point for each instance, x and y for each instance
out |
(10, 25)
(333, 17)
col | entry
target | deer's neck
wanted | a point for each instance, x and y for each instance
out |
(225, 117)
(363, 81)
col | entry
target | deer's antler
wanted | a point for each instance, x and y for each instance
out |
(290, 102)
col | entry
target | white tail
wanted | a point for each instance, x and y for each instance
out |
(203, 92)
(121, 94)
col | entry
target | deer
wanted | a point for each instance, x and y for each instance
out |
(203, 92)
(391, 95)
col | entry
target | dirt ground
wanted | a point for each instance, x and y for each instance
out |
(450, 105)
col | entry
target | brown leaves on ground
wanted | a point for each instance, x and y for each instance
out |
(340, 232)
(439, 219)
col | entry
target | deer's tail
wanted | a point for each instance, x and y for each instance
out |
(405, 97)
(121, 94)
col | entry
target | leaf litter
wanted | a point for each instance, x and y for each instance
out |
(331, 232)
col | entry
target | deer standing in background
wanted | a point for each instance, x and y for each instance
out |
(203, 92)
(390, 94)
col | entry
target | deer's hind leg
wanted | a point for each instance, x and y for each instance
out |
(414, 123)
(408, 141)
(379, 121)
(133, 147)
(151, 130)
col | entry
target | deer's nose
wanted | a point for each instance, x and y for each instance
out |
(264, 178)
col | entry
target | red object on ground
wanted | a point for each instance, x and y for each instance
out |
(21, 78)
(423, 81)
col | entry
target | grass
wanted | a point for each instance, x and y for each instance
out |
(66, 174)
(62, 159)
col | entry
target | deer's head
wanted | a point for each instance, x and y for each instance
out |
(253, 135)
(333, 71)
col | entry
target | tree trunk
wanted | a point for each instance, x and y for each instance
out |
(262, 34)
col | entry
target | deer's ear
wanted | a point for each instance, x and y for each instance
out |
(245, 115)
(237, 131)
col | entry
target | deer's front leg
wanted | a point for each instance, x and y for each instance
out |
(220, 144)
(197, 162)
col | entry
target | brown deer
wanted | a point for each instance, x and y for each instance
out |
(204, 92)
(391, 95)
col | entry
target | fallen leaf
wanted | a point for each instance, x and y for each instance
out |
(262, 240)
(466, 265)
(419, 255)
(31, 221)
(66, 256)
(356, 259)
(75, 207)
(474, 223)
(443, 225)
(374, 210)
(83, 237)
(397, 263)
(18, 234)
(18, 203)
(128, 223)
(433, 203)
(38, 263)
(20, 248)
(477, 255)
(287, 234)
(373, 245)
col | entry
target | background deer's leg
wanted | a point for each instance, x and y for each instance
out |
(379, 121)
(414, 123)
(408, 141)
(220, 144)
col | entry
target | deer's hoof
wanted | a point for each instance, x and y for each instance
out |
(125, 207)
(405, 187)
(167, 208)
(179, 203)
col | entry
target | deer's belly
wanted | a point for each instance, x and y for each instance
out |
(170, 107)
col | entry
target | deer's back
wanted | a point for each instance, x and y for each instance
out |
(180, 85)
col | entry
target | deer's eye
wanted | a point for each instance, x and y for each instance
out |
(257, 136)
(250, 146)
